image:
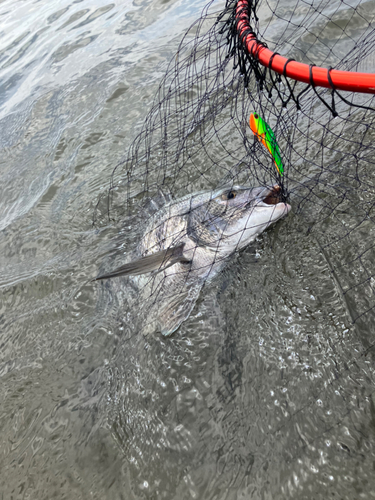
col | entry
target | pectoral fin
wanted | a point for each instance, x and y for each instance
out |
(158, 261)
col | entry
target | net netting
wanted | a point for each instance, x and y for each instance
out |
(196, 138)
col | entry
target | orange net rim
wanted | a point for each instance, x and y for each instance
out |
(316, 76)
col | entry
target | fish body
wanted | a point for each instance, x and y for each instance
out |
(189, 240)
(265, 134)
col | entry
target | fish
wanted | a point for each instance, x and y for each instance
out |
(189, 240)
(265, 134)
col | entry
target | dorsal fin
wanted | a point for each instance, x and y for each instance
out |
(152, 205)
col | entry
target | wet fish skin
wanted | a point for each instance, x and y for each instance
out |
(189, 240)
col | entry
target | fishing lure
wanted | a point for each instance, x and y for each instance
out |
(263, 131)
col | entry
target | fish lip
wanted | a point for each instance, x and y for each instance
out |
(272, 196)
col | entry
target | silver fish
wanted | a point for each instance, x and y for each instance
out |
(189, 240)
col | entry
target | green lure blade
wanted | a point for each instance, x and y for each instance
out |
(265, 134)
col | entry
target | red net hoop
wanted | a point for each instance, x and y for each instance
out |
(318, 77)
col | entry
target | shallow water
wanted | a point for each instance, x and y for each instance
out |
(265, 392)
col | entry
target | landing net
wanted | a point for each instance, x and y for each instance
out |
(197, 137)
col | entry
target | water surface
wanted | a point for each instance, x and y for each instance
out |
(256, 396)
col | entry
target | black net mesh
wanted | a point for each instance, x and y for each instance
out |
(197, 137)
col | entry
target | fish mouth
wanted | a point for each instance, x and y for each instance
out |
(274, 196)
(271, 196)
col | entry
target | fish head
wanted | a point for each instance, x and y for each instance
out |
(236, 216)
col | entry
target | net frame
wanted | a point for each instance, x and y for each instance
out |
(315, 76)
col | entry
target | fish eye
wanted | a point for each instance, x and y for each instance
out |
(229, 196)
(256, 116)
